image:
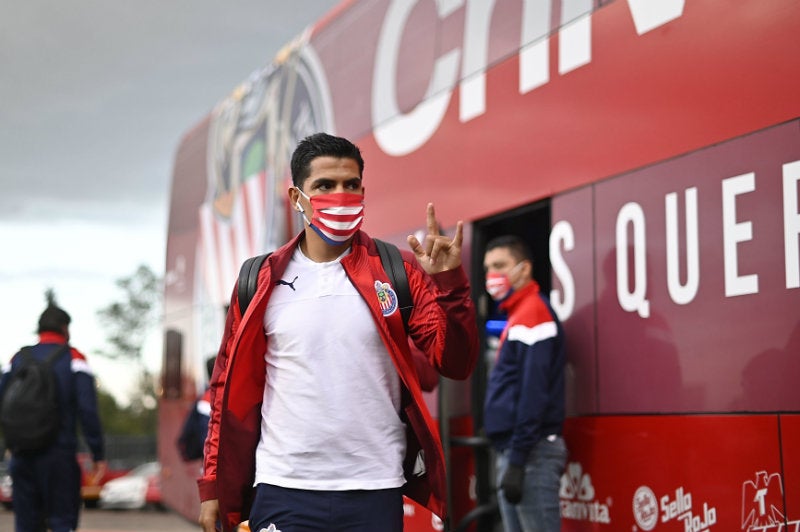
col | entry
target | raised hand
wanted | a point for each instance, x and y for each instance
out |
(438, 253)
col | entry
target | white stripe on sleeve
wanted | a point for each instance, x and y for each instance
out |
(204, 407)
(79, 364)
(531, 335)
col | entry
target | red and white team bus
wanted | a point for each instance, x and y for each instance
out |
(648, 150)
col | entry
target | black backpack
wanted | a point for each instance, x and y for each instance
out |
(30, 410)
(390, 258)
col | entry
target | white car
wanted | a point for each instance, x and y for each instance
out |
(6, 489)
(138, 489)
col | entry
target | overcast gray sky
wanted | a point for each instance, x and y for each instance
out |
(95, 96)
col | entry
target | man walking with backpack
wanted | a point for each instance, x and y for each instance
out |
(44, 392)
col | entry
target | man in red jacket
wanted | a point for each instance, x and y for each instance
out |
(317, 417)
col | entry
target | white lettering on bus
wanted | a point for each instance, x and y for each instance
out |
(534, 57)
(592, 511)
(636, 300)
(735, 232)
(575, 35)
(631, 215)
(682, 293)
(400, 133)
(760, 499)
(791, 223)
(680, 508)
(397, 133)
(648, 15)
(473, 63)
(563, 304)
(670, 509)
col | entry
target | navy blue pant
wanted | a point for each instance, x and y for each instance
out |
(292, 510)
(47, 490)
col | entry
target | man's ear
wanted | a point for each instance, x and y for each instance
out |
(528, 268)
(294, 196)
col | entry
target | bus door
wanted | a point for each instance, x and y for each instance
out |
(532, 224)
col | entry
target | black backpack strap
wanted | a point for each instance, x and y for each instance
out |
(55, 354)
(248, 280)
(26, 354)
(393, 265)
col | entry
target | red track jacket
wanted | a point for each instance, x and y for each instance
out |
(442, 324)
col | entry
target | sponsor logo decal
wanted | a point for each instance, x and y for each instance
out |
(672, 507)
(762, 499)
(578, 500)
(387, 298)
(645, 508)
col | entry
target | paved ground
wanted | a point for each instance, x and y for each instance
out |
(120, 521)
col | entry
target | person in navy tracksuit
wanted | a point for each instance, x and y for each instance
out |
(192, 438)
(524, 405)
(47, 482)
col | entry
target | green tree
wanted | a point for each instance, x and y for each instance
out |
(143, 405)
(128, 323)
(133, 420)
(115, 419)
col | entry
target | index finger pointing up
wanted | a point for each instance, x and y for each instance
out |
(459, 234)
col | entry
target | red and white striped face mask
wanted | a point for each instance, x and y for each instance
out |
(337, 216)
(499, 284)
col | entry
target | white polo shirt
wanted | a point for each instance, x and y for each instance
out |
(330, 412)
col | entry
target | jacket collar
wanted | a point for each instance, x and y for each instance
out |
(49, 337)
(512, 301)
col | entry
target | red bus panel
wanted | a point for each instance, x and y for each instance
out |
(573, 240)
(673, 473)
(790, 442)
(679, 327)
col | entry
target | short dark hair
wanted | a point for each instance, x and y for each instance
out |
(53, 319)
(518, 248)
(322, 145)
